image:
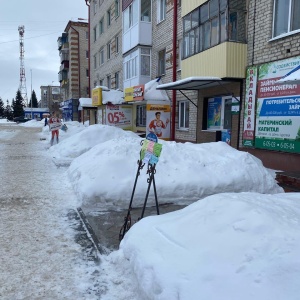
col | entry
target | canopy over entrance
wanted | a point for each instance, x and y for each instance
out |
(191, 83)
(292, 77)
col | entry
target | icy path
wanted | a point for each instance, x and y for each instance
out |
(39, 255)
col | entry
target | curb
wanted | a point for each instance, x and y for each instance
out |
(91, 231)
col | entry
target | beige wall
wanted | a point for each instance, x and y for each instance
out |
(227, 60)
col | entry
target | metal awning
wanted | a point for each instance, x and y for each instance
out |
(190, 83)
(193, 83)
(293, 77)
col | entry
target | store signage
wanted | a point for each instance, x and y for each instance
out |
(97, 96)
(249, 115)
(278, 108)
(135, 93)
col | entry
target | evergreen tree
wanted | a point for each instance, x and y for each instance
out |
(1, 108)
(18, 105)
(8, 113)
(34, 100)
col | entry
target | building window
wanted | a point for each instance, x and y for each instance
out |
(213, 23)
(108, 50)
(117, 43)
(161, 10)
(179, 55)
(101, 82)
(86, 35)
(95, 84)
(95, 61)
(108, 80)
(95, 34)
(130, 15)
(219, 113)
(145, 61)
(101, 27)
(130, 66)
(286, 16)
(87, 54)
(117, 8)
(161, 62)
(108, 13)
(87, 91)
(145, 10)
(87, 72)
(117, 80)
(183, 114)
(95, 6)
(141, 115)
(101, 60)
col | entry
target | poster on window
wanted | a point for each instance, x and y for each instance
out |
(249, 108)
(214, 113)
(278, 108)
(119, 116)
(158, 119)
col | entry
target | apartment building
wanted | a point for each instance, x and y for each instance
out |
(214, 56)
(51, 97)
(270, 126)
(73, 75)
(106, 44)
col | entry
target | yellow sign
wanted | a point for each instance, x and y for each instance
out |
(134, 93)
(159, 107)
(97, 96)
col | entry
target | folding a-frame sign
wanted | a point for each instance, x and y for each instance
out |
(149, 155)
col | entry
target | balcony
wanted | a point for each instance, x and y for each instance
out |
(62, 75)
(64, 56)
(64, 66)
(227, 60)
(62, 40)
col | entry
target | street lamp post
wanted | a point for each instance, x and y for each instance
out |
(31, 92)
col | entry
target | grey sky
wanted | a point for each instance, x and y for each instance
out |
(44, 22)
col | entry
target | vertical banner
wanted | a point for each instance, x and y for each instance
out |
(278, 108)
(249, 111)
(158, 119)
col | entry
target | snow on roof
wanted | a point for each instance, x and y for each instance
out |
(112, 96)
(151, 93)
(190, 83)
(85, 102)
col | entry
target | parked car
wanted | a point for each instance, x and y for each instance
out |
(21, 119)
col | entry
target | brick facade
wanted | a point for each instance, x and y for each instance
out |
(163, 39)
(78, 81)
(111, 34)
(262, 48)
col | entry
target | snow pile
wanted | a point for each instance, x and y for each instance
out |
(226, 246)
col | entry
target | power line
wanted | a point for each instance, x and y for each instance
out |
(34, 37)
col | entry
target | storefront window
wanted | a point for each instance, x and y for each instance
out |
(141, 115)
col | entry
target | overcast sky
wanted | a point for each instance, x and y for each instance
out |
(44, 22)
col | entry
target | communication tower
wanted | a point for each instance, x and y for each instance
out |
(22, 86)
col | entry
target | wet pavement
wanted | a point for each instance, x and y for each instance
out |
(105, 226)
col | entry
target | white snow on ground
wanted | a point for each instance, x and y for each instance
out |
(240, 243)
